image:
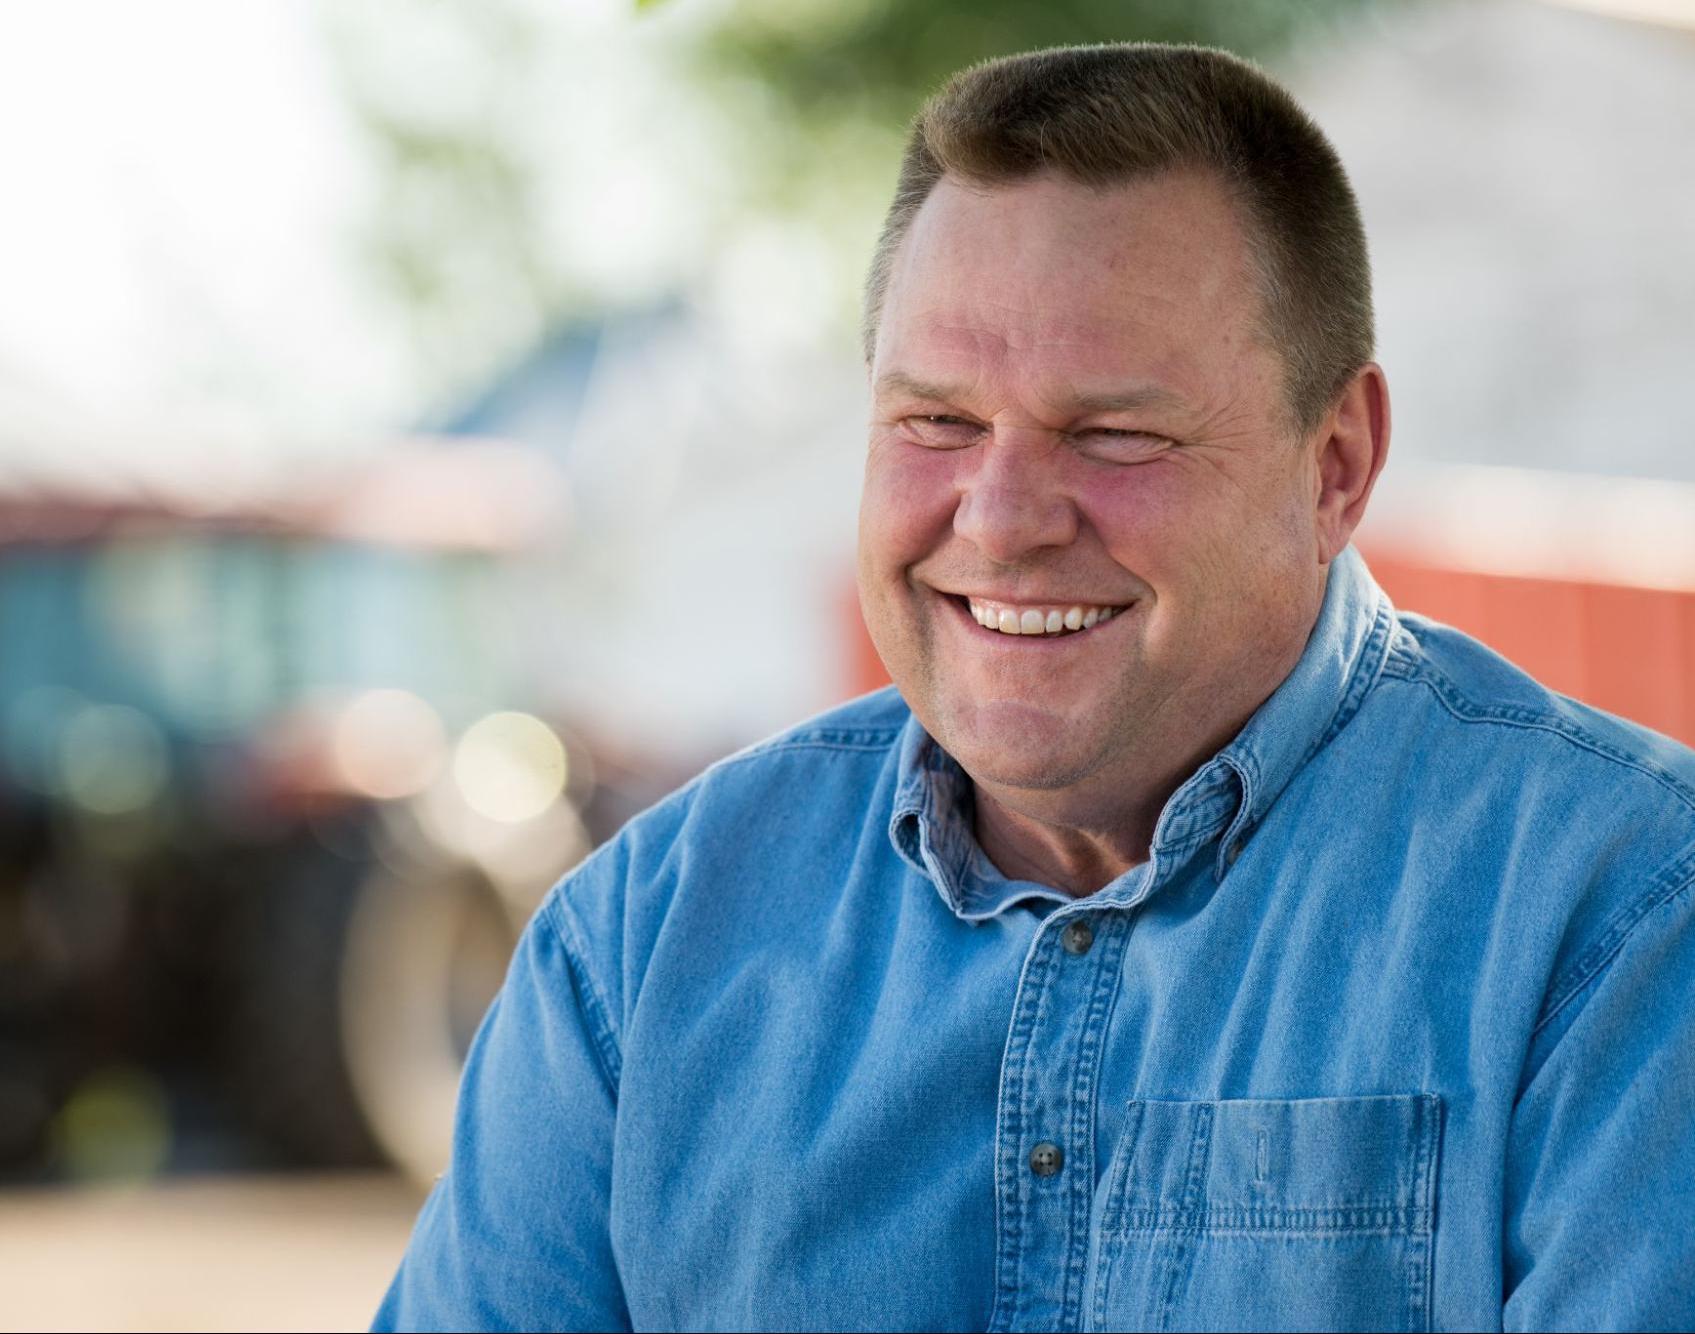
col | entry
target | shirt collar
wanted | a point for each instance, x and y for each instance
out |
(934, 808)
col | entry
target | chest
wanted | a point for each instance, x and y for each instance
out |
(1159, 1117)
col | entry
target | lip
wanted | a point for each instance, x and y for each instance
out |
(955, 602)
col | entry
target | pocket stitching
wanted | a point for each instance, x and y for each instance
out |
(1118, 1173)
(1194, 1186)
(1183, 1225)
(1344, 1221)
(1421, 1279)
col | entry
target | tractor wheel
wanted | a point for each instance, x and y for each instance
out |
(424, 957)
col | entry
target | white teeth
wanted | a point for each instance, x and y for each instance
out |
(1038, 620)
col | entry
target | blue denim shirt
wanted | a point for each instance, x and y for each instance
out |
(1391, 1031)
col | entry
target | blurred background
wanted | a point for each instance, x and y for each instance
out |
(430, 431)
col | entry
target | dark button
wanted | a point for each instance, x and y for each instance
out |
(1046, 1159)
(1233, 851)
(1078, 936)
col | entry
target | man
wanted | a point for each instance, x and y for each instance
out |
(1189, 940)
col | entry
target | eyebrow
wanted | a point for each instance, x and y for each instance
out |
(1115, 400)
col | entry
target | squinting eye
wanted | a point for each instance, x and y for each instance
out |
(938, 431)
(1114, 442)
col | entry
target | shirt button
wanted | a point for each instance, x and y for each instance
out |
(1046, 1159)
(1078, 936)
(1233, 851)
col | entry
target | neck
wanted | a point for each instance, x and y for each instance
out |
(1082, 838)
(1076, 860)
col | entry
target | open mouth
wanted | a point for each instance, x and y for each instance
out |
(1036, 620)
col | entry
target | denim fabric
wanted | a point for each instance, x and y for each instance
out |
(1392, 1031)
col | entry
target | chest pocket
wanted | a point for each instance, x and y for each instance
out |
(1312, 1213)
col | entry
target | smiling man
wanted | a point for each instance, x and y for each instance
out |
(1190, 939)
(1080, 416)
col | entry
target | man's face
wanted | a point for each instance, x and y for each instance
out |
(1071, 409)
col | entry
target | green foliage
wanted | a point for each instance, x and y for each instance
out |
(879, 58)
(841, 79)
(464, 104)
(454, 238)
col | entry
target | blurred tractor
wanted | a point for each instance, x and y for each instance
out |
(273, 790)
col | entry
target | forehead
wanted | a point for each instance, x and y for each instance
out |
(1045, 275)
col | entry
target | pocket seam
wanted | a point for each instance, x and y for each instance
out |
(1174, 1229)
(1358, 1221)
(1421, 1250)
(1118, 1172)
(1194, 1184)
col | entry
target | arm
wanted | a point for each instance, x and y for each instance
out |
(515, 1235)
(1600, 1186)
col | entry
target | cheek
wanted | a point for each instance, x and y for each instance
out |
(1147, 522)
(906, 507)
(1192, 521)
(1209, 551)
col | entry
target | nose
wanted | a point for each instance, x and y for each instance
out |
(1014, 503)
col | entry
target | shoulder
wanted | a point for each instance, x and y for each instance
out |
(850, 740)
(1582, 822)
(1495, 705)
(754, 823)
(801, 773)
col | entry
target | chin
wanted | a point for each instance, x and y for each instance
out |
(1014, 744)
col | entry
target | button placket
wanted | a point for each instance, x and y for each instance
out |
(1044, 1178)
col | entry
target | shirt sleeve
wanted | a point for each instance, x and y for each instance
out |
(515, 1233)
(1600, 1185)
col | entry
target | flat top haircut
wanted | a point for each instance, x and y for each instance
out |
(1105, 115)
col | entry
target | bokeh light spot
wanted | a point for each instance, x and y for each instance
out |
(388, 744)
(509, 767)
(112, 759)
(115, 1124)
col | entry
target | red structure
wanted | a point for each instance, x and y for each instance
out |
(1628, 650)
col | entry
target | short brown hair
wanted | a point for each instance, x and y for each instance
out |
(1104, 115)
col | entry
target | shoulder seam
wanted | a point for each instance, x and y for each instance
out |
(595, 1011)
(1419, 671)
(1671, 881)
(867, 740)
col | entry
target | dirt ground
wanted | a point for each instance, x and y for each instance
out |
(213, 1253)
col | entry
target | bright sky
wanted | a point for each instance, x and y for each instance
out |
(179, 191)
(184, 194)
(185, 191)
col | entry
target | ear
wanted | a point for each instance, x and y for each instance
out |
(1352, 446)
